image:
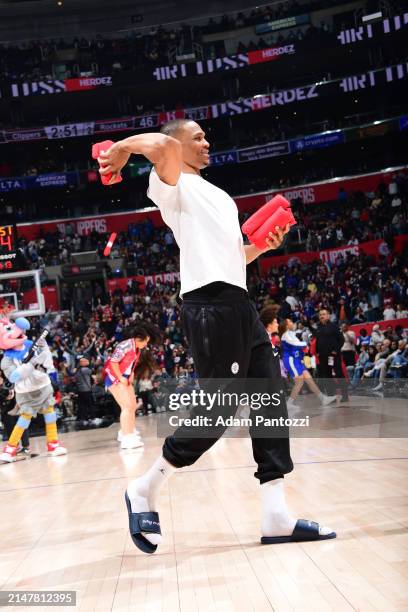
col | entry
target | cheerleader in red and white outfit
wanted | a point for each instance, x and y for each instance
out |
(120, 375)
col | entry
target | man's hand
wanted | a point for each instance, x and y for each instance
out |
(113, 160)
(275, 240)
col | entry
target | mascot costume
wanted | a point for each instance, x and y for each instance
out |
(27, 365)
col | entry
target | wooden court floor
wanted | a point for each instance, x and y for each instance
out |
(64, 527)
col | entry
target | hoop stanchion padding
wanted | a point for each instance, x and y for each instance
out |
(97, 149)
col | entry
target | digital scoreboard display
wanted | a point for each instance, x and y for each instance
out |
(9, 259)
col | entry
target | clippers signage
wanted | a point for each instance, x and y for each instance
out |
(349, 84)
(83, 227)
(372, 248)
(366, 32)
(312, 193)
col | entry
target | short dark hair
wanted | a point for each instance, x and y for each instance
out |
(269, 313)
(171, 127)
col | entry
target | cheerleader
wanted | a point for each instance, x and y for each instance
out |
(119, 375)
(292, 356)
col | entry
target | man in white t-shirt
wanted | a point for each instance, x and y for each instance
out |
(225, 334)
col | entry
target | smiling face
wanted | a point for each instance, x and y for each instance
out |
(11, 336)
(195, 147)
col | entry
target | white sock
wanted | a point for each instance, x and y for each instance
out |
(143, 491)
(276, 520)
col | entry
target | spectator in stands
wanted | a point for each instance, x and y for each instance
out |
(357, 372)
(376, 335)
(401, 312)
(383, 351)
(389, 313)
(348, 350)
(363, 339)
(394, 364)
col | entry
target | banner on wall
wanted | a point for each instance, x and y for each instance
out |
(273, 149)
(312, 193)
(349, 84)
(369, 31)
(23, 89)
(123, 283)
(374, 248)
(166, 277)
(317, 141)
(61, 179)
(153, 279)
(220, 64)
(282, 24)
(383, 325)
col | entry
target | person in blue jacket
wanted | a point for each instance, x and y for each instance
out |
(292, 355)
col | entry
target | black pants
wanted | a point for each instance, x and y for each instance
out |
(326, 372)
(349, 358)
(229, 342)
(86, 407)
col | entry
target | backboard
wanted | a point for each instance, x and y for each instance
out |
(20, 293)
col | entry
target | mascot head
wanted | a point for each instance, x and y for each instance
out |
(12, 333)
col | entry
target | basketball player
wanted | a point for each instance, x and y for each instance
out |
(225, 334)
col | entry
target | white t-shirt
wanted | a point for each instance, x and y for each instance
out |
(389, 314)
(204, 220)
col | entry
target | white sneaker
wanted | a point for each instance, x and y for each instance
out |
(327, 399)
(120, 434)
(9, 454)
(378, 387)
(55, 449)
(292, 404)
(131, 441)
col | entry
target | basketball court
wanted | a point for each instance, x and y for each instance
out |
(65, 526)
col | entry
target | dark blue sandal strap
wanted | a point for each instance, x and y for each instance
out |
(147, 522)
(305, 530)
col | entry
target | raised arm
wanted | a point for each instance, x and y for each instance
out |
(164, 152)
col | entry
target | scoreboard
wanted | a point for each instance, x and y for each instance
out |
(9, 256)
